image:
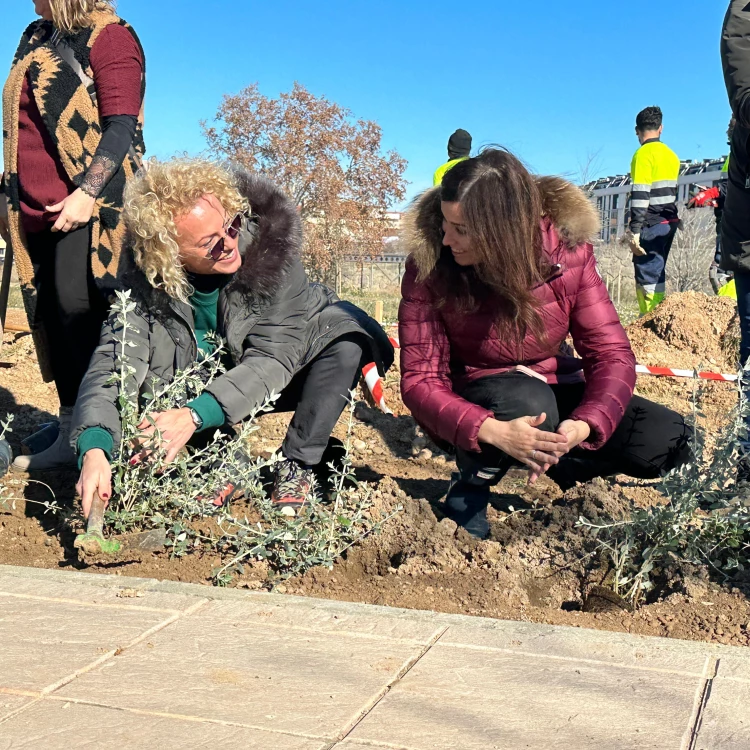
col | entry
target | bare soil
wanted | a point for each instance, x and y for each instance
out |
(538, 565)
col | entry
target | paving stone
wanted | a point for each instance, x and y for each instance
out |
(327, 617)
(221, 663)
(352, 745)
(55, 725)
(126, 593)
(578, 643)
(726, 719)
(11, 703)
(734, 663)
(43, 642)
(456, 699)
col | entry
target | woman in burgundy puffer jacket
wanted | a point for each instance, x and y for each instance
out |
(501, 271)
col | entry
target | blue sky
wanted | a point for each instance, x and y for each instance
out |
(552, 80)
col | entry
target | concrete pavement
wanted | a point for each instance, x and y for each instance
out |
(93, 661)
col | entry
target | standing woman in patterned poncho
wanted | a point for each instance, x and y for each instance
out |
(72, 136)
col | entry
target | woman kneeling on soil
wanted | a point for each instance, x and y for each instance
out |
(219, 251)
(501, 271)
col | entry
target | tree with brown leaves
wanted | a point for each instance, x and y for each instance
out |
(330, 163)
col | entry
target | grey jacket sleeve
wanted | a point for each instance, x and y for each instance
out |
(735, 59)
(97, 403)
(272, 350)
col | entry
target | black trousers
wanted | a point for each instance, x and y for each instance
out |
(318, 395)
(649, 441)
(70, 307)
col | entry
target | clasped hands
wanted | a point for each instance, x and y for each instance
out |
(175, 428)
(523, 440)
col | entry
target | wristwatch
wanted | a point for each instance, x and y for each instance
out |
(197, 421)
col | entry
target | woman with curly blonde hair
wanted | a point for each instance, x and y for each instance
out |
(72, 137)
(215, 250)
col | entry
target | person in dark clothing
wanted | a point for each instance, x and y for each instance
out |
(735, 223)
(714, 197)
(216, 250)
(459, 148)
(501, 271)
(63, 182)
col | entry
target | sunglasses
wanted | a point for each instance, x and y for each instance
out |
(231, 229)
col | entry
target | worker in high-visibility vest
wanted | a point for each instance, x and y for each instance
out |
(653, 208)
(459, 149)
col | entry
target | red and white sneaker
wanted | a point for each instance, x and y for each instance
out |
(292, 487)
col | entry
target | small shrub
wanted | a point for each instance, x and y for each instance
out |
(177, 496)
(705, 520)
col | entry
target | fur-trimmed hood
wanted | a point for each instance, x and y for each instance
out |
(570, 213)
(270, 241)
(273, 239)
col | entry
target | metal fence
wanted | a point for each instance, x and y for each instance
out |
(381, 273)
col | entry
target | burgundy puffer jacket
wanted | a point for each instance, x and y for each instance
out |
(444, 348)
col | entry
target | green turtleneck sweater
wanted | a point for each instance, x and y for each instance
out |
(205, 303)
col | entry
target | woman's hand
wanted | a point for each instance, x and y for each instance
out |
(75, 211)
(175, 426)
(96, 476)
(521, 439)
(574, 432)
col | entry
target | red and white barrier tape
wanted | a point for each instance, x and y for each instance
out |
(671, 372)
(375, 382)
(375, 386)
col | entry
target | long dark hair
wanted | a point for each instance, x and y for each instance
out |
(502, 210)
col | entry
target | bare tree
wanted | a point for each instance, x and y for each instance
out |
(589, 167)
(692, 252)
(330, 163)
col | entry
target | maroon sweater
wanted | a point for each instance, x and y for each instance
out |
(117, 66)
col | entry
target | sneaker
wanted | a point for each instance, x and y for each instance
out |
(232, 489)
(223, 496)
(292, 487)
(466, 504)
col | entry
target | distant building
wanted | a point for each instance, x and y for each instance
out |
(612, 194)
(395, 221)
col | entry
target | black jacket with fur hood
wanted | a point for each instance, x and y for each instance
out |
(274, 321)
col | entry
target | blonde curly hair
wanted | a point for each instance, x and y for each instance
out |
(70, 16)
(158, 195)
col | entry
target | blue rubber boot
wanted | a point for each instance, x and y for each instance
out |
(6, 457)
(469, 494)
(466, 504)
(42, 439)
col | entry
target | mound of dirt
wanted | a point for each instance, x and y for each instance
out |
(688, 330)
